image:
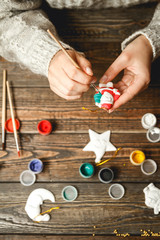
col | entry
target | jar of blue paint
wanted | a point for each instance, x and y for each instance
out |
(35, 165)
(86, 170)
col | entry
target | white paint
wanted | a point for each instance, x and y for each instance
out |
(148, 120)
(152, 197)
(34, 201)
(99, 144)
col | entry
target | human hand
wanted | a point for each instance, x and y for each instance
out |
(65, 79)
(135, 60)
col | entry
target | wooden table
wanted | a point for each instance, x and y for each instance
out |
(98, 33)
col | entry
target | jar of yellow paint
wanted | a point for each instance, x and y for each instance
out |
(137, 157)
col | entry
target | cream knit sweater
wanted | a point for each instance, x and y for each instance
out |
(23, 36)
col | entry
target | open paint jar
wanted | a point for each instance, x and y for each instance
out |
(106, 175)
(148, 120)
(149, 167)
(137, 157)
(69, 193)
(86, 170)
(153, 134)
(116, 191)
(27, 178)
(35, 165)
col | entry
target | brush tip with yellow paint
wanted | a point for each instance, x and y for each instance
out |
(137, 157)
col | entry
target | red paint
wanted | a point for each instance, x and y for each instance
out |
(9, 125)
(44, 127)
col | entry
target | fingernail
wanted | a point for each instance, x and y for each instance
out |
(111, 110)
(94, 80)
(89, 71)
(104, 79)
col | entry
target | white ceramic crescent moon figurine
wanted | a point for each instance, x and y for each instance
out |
(34, 201)
(152, 197)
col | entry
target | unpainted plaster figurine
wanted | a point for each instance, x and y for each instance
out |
(34, 201)
(152, 197)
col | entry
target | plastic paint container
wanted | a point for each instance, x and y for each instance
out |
(69, 193)
(149, 167)
(86, 170)
(116, 191)
(148, 120)
(105, 175)
(27, 178)
(9, 125)
(35, 165)
(137, 157)
(153, 134)
(44, 127)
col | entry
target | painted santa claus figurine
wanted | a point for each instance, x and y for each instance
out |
(106, 96)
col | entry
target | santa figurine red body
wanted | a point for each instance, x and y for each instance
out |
(106, 96)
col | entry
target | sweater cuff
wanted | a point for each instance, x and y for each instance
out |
(42, 52)
(148, 33)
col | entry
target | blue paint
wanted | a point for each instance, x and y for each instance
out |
(36, 165)
(97, 97)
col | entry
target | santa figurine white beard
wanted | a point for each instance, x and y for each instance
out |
(106, 96)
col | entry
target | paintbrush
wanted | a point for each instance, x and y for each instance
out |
(13, 119)
(3, 109)
(67, 54)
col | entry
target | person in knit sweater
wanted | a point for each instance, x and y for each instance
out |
(24, 39)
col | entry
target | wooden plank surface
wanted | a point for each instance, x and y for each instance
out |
(98, 33)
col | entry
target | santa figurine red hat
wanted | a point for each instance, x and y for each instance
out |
(106, 96)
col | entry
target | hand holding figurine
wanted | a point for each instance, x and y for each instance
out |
(135, 60)
(65, 79)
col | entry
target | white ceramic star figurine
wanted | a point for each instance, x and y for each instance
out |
(99, 144)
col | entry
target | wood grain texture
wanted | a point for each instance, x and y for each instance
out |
(93, 207)
(98, 33)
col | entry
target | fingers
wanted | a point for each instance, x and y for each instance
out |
(117, 66)
(61, 94)
(84, 64)
(128, 93)
(65, 86)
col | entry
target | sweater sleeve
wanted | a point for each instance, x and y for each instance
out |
(24, 38)
(151, 32)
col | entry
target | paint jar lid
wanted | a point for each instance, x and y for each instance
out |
(9, 125)
(86, 170)
(153, 134)
(148, 120)
(27, 178)
(149, 167)
(69, 193)
(44, 127)
(116, 191)
(35, 165)
(137, 157)
(106, 175)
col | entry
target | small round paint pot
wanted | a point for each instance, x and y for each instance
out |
(137, 157)
(116, 191)
(69, 193)
(9, 125)
(27, 178)
(35, 165)
(44, 127)
(86, 170)
(106, 175)
(153, 134)
(148, 120)
(149, 167)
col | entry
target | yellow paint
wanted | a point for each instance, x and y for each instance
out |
(137, 157)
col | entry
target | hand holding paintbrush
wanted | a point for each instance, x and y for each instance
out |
(70, 74)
